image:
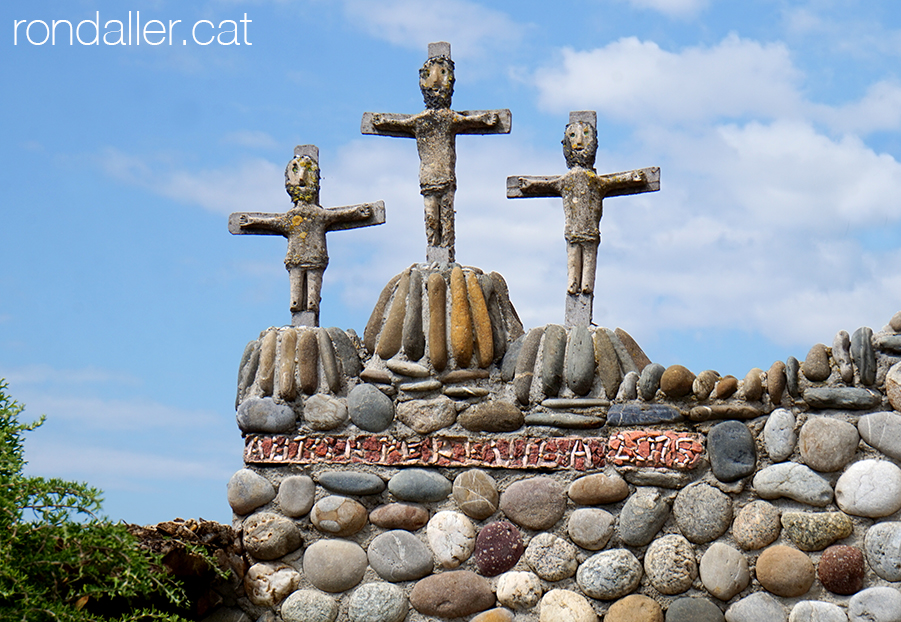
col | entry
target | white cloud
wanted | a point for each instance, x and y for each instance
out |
(674, 8)
(250, 138)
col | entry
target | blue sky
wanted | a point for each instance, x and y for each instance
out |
(125, 303)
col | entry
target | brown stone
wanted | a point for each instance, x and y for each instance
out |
(498, 547)
(494, 615)
(816, 366)
(752, 387)
(785, 571)
(481, 322)
(640, 359)
(476, 494)
(704, 383)
(437, 290)
(308, 361)
(725, 388)
(374, 325)
(598, 489)
(338, 516)
(392, 332)
(452, 594)
(287, 350)
(895, 322)
(268, 536)
(266, 370)
(608, 365)
(756, 525)
(775, 382)
(634, 608)
(494, 416)
(535, 503)
(377, 376)
(409, 516)
(827, 444)
(465, 375)
(841, 569)
(676, 381)
(461, 319)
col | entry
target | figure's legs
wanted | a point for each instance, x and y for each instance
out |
(447, 221)
(573, 267)
(298, 280)
(314, 287)
(589, 266)
(432, 219)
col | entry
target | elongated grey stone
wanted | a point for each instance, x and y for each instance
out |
(642, 414)
(413, 337)
(552, 359)
(329, 361)
(261, 414)
(607, 363)
(863, 355)
(345, 351)
(566, 420)
(498, 331)
(525, 365)
(792, 368)
(508, 366)
(374, 325)
(795, 481)
(889, 343)
(250, 360)
(628, 390)
(649, 381)
(265, 379)
(625, 359)
(420, 485)
(841, 354)
(579, 361)
(405, 368)
(514, 324)
(854, 398)
(642, 517)
(421, 386)
(582, 402)
(351, 482)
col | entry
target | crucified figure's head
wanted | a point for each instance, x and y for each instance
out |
(302, 179)
(580, 144)
(436, 81)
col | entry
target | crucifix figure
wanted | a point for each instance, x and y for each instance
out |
(305, 226)
(583, 192)
(435, 130)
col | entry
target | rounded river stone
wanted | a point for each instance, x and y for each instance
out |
(494, 416)
(757, 525)
(552, 558)
(377, 602)
(369, 408)
(634, 607)
(693, 610)
(519, 590)
(677, 381)
(883, 546)
(261, 414)
(779, 434)
(309, 606)
(334, 565)
(882, 430)
(476, 494)
(642, 517)
(855, 492)
(598, 489)
(827, 444)
(248, 490)
(795, 481)
(338, 516)
(452, 537)
(426, 416)
(268, 536)
(609, 575)
(815, 611)
(498, 614)
(590, 528)
(841, 569)
(565, 605)
(296, 495)
(323, 412)
(703, 513)
(785, 571)
(732, 451)
(409, 516)
(755, 608)
(649, 381)
(579, 360)
(875, 604)
(893, 386)
(351, 482)
(267, 584)
(724, 571)
(816, 366)
(498, 547)
(398, 555)
(419, 485)
(536, 503)
(670, 564)
(452, 594)
(814, 531)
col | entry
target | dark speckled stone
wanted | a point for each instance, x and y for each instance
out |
(498, 547)
(733, 453)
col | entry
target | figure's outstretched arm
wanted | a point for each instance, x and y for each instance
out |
(390, 124)
(353, 216)
(483, 122)
(532, 186)
(630, 182)
(256, 223)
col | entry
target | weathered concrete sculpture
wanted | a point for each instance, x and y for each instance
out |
(583, 192)
(305, 226)
(435, 130)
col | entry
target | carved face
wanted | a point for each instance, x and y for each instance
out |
(580, 145)
(302, 180)
(436, 81)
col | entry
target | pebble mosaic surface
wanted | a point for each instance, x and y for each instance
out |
(519, 486)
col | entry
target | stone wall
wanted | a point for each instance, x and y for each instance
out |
(565, 477)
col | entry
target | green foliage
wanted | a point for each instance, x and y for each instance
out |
(60, 561)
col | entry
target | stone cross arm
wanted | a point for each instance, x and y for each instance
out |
(257, 223)
(523, 186)
(464, 122)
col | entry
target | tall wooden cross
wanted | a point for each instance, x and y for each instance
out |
(435, 130)
(305, 226)
(583, 192)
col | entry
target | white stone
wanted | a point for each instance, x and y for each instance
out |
(882, 430)
(870, 488)
(875, 604)
(322, 412)
(565, 606)
(779, 434)
(452, 538)
(883, 548)
(267, 585)
(670, 564)
(795, 481)
(609, 574)
(893, 386)
(724, 571)
(519, 590)
(758, 607)
(816, 611)
(590, 528)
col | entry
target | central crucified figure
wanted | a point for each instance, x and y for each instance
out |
(435, 130)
